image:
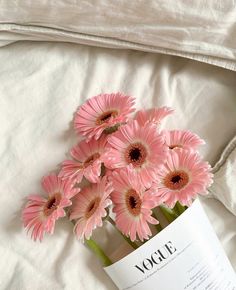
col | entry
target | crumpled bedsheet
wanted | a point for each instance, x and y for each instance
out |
(201, 30)
(41, 85)
(224, 177)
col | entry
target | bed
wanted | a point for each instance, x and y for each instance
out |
(51, 64)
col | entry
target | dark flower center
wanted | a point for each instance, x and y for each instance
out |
(136, 154)
(52, 204)
(176, 180)
(105, 117)
(175, 146)
(133, 202)
(91, 159)
(92, 207)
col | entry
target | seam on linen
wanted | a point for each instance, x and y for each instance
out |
(224, 156)
(114, 43)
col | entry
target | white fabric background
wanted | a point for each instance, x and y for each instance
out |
(203, 30)
(224, 170)
(41, 86)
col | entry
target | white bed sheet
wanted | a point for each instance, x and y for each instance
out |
(201, 30)
(41, 85)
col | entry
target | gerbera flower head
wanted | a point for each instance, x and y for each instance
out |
(133, 205)
(141, 147)
(101, 113)
(40, 212)
(89, 208)
(154, 115)
(88, 158)
(184, 176)
(182, 139)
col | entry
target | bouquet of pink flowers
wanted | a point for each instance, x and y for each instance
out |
(131, 165)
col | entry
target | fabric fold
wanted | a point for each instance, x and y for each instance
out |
(198, 30)
(224, 170)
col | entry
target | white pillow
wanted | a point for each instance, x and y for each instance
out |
(224, 186)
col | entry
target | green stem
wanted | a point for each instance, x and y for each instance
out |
(179, 207)
(132, 244)
(169, 214)
(98, 252)
(176, 209)
(159, 228)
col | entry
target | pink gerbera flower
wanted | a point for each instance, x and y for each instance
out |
(154, 115)
(141, 147)
(133, 205)
(88, 158)
(89, 207)
(41, 213)
(102, 113)
(182, 139)
(183, 177)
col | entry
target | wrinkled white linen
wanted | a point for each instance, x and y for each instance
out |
(223, 187)
(202, 30)
(42, 84)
